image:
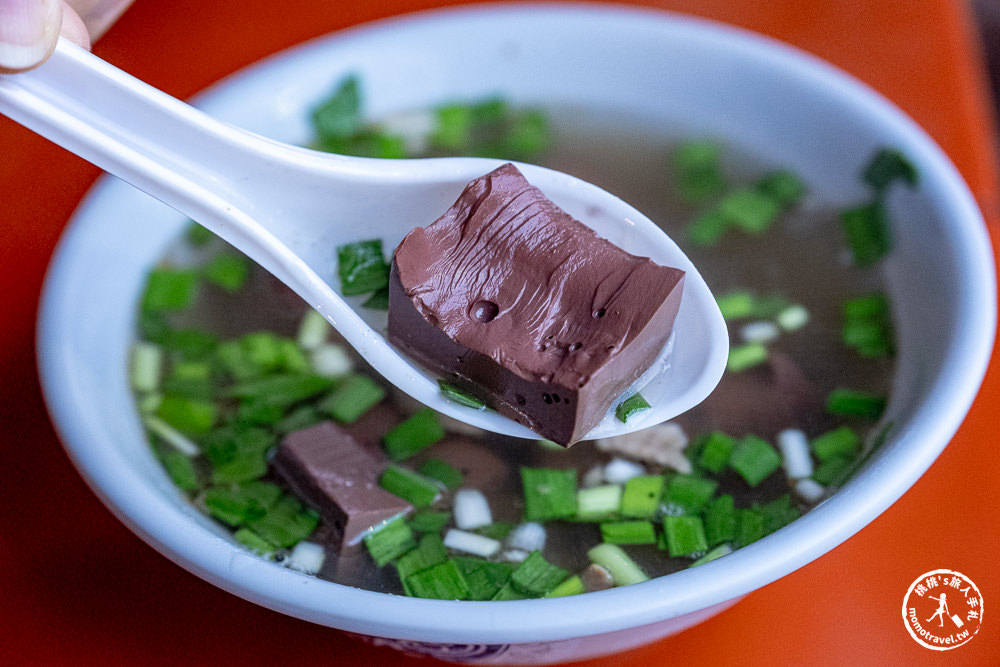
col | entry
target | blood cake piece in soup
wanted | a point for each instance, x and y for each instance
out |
(514, 300)
(338, 476)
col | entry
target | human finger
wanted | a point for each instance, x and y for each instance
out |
(29, 30)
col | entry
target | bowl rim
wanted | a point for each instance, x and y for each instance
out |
(874, 489)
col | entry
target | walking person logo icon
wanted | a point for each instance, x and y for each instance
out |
(929, 597)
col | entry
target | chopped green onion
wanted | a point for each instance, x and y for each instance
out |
(238, 453)
(197, 235)
(362, 267)
(460, 396)
(171, 436)
(390, 541)
(527, 135)
(698, 170)
(742, 357)
(628, 532)
(624, 571)
(180, 469)
(867, 230)
(549, 493)
(508, 592)
(736, 305)
(378, 300)
(831, 469)
(418, 490)
(254, 542)
(707, 228)
(442, 471)
(187, 415)
(866, 307)
(429, 522)
(281, 389)
(717, 552)
(286, 522)
(483, 578)
(570, 586)
(188, 343)
(536, 576)
(429, 551)
(793, 317)
(853, 403)
(778, 513)
(190, 379)
(749, 527)
(169, 289)
(353, 397)
(842, 441)
(888, 165)
(685, 535)
(720, 520)
(867, 326)
(754, 459)
(598, 503)
(630, 406)
(783, 187)
(339, 115)
(301, 417)
(146, 366)
(443, 581)
(715, 451)
(749, 210)
(314, 330)
(641, 496)
(228, 270)
(419, 431)
(688, 492)
(237, 505)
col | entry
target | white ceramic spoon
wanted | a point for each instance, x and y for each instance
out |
(288, 208)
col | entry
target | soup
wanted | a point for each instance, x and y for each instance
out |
(231, 370)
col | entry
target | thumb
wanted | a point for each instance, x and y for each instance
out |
(28, 32)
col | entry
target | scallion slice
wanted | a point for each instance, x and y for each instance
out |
(867, 230)
(228, 270)
(630, 406)
(720, 520)
(352, 397)
(418, 490)
(842, 441)
(743, 357)
(715, 451)
(417, 432)
(390, 541)
(598, 503)
(628, 532)
(362, 267)
(483, 578)
(549, 493)
(689, 493)
(624, 571)
(442, 471)
(685, 535)
(717, 552)
(536, 576)
(460, 396)
(641, 496)
(169, 289)
(889, 165)
(443, 581)
(854, 403)
(754, 459)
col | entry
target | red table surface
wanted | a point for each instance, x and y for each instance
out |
(76, 587)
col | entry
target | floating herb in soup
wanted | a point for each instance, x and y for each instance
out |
(274, 428)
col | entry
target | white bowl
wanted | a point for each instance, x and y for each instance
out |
(759, 95)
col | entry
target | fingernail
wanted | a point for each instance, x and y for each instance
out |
(28, 32)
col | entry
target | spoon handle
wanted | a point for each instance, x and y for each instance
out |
(130, 129)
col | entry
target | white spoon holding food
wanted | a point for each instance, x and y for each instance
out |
(290, 208)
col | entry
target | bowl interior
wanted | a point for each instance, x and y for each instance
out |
(688, 75)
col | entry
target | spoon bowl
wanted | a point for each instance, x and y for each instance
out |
(288, 208)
